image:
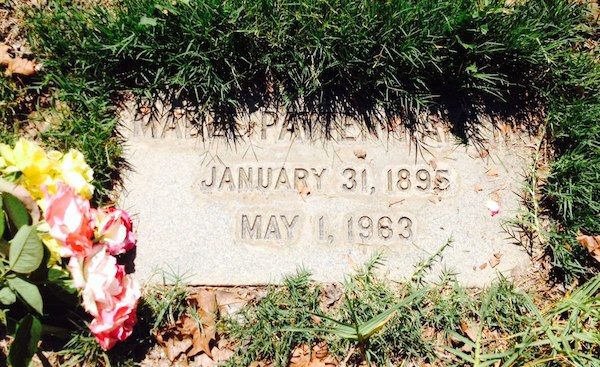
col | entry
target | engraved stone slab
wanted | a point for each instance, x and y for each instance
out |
(277, 198)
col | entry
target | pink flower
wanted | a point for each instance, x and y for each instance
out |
(116, 323)
(114, 229)
(68, 216)
(108, 294)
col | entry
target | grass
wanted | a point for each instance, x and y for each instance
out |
(437, 322)
(325, 56)
(261, 333)
(444, 323)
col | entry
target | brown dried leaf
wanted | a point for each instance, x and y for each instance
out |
(20, 66)
(478, 187)
(506, 129)
(176, 347)
(484, 153)
(302, 188)
(206, 301)
(492, 172)
(5, 57)
(360, 153)
(332, 292)
(317, 356)
(494, 262)
(495, 196)
(483, 266)
(592, 244)
(229, 303)
(300, 356)
(468, 330)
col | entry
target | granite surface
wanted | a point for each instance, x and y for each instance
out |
(254, 209)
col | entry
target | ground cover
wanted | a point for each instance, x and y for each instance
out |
(358, 58)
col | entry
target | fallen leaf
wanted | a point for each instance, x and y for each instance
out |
(468, 330)
(492, 172)
(302, 188)
(495, 195)
(20, 66)
(300, 356)
(5, 57)
(505, 128)
(592, 244)
(317, 356)
(331, 293)
(495, 260)
(203, 334)
(229, 303)
(483, 266)
(484, 153)
(360, 153)
(478, 187)
(204, 360)
(176, 347)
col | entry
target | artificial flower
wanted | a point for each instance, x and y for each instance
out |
(68, 216)
(116, 323)
(31, 163)
(114, 229)
(108, 293)
(74, 171)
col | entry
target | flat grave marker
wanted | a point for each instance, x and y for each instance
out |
(254, 209)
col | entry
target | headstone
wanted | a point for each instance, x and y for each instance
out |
(253, 209)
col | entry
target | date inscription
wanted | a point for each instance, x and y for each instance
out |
(355, 180)
(348, 229)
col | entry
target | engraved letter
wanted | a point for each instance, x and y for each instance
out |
(245, 178)
(318, 176)
(282, 179)
(272, 229)
(300, 175)
(267, 123)
(227, 179)
(261, 179)
(289, 226)
(254, 230)
(212, 179)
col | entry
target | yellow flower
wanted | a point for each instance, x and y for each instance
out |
(74, 171)
(31, 161)
(53, 246)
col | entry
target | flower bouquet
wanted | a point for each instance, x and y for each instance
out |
(57, 251)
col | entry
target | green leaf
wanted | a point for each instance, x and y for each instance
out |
(16, 212)
(7, 296)
(28, 292)
(26, 250)
(1, 220)
(148, 21)
(472, 69)
(4, 248)
(367, 329)
(376, 323)
(26, 340)
(62, 280)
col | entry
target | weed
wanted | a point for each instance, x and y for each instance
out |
(261, 333)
